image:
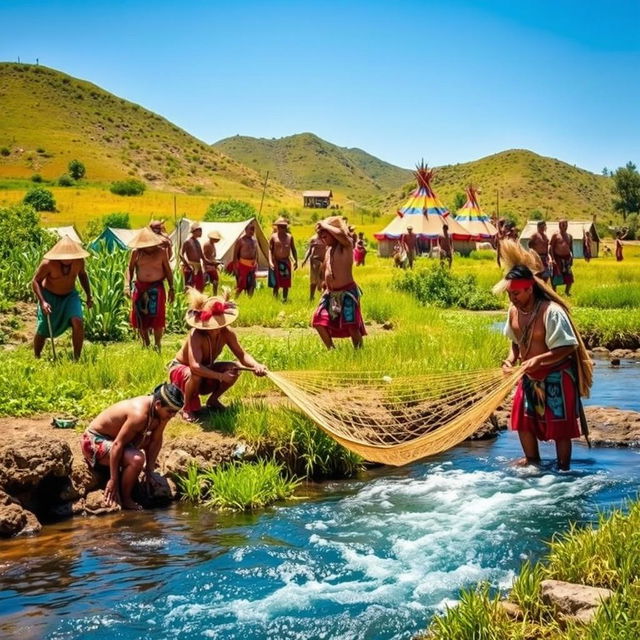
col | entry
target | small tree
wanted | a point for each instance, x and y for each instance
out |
(40, 199)
(459, 201)
(626, 186)
(65, 181)
(77, 170)
(230, 211)
(130, 187)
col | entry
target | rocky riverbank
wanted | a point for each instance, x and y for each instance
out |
(43, 475)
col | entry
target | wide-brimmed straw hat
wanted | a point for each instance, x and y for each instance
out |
(144, 239)
(281, 222)
(336, 227)
(214, 235)
(215, 313)
(66, 249)
(195, 226)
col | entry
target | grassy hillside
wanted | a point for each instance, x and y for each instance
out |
(48, 118)
(527, 183)
(305, 161)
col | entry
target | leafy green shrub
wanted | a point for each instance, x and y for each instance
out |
(40, 199)
(230, 211)
(438, 287)
(116, 220)
(5, 151)
(77, 170)
(131, 187)
(65, 181)
(36, 177)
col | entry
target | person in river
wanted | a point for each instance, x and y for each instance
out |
(560, 250)
(315, 256)
(211, 261)
(557, 368)
(59, 306)
(539, 242)
(192, 259)
(338, 314)
(144, 283)
(126, 438)
(282, 256)
(245, 261)
(195, 369)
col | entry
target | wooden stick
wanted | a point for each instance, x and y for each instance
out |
(53, 344)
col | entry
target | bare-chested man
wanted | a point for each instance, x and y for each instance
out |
(157, 226)
(539, 242)
(194, 369)
(586, 246)
(560, 250)
(409, 241)
(245, 261)
(144, 283)
(446, 246)
(282, 249)
(192, 259)
(127, 437)
(338, 314)
(54, 284)
(546, 405)
(211, 261)
(315, 256)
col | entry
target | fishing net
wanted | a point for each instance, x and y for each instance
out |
(401, 419)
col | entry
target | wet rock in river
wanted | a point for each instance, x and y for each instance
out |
(611, 427)
(573, 601)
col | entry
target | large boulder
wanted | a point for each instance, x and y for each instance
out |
(14, 519)
(574, 601)
(611, 427)
(25, 462)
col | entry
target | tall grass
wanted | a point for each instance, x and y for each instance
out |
(238, 486)
(17, 270)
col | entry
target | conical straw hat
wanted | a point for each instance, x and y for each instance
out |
(66, 249)
(215, 313)
(281, 222)
(214, 235)
(145, 238)
(336, 227)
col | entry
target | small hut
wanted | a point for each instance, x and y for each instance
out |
(424, 212)
(112, 238)
(575, 228)
(317, 199)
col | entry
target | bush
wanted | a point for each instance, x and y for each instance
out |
(230, 211)
(5, 151)
(40, 199)
(65, 181)
(130, 187)
(117, 220)
(36, 177)
(77, 170)
(439, 287)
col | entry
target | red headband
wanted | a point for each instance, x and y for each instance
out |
(519, 284)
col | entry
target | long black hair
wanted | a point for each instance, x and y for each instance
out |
(522, 272)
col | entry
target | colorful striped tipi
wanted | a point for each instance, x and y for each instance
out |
(424, 212)
(474, 220)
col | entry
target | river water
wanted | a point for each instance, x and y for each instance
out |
(368, 558)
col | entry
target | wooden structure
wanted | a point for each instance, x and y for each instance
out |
(575, 228)
(317, 199)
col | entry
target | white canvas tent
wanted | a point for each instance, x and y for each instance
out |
(575, 228)
(66, 231)
(230, 232)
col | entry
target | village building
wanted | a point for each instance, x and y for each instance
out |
(317, 199)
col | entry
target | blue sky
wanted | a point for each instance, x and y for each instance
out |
(447, 81)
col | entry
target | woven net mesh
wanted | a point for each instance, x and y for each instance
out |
(401, 419)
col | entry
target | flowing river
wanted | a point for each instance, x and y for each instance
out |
(369, 558)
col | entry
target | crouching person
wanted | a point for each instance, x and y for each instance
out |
(195, 369)
(126, 438)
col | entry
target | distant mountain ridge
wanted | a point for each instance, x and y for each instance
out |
(305, 161)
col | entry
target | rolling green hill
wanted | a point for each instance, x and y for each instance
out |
(526, 183)
(48, 118)
(305, 161)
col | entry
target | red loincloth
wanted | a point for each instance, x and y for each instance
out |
(359, 254)
(193, 279)
(280, 277)
(339, 311)
(246, 275)
(548, 405)
(213, 275)
(148, 305)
